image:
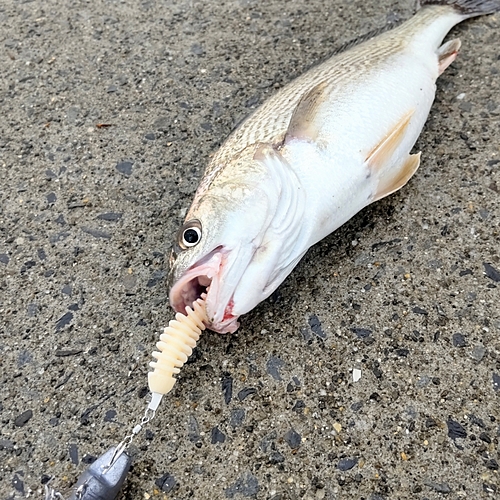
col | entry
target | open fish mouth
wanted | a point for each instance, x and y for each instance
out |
(203, 278)
(196, 281)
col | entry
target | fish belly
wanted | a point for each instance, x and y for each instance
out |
(333, 170)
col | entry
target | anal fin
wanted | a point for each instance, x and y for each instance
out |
(447, 53)
(396, 178)
(382, 153)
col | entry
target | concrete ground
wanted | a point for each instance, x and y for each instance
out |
(109, 112)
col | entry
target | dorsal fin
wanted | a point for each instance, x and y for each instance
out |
(302, 123)
(367, 36)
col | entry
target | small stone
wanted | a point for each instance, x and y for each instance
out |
(31, 310)
(18, 484)
(110, 216)
(244, 393)
(315, 325)
(455, 430)
(23, 419)
(361, 333)
(489, 488)
(439, 487)
(156, 277)
(88, 459)
(402, 352)
(227, 388)
(162, 123)
(6, 444)
(293, 439)
(276, 458)
(357, 406)
(496, 382)
(64, 320)
(423, 381)
(478, 352)
(237, 417)
(150, 137)
(419, 310)
(465, 106)
(253, 101)
(484, 437)
(73, 453)
(273, 366)
(356, 374)
(246, 485)
(166, 483)
(491, 272)
(125, 167)
(67, 290)
(346, 464)
(299, 406)
(492, 464)
(217, 436)
(96, 233)
(41, 254)
(193, 429)
(110, 416)
(197, 49)
(337, 427)
(111, 88)
(458, 340)
(4, 258)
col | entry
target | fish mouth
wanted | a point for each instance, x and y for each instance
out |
(203, 279)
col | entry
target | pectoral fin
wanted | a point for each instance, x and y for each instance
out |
(380, 155)
(303, 124)
(396, 178)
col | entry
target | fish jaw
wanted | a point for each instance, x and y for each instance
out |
(215, 277)
(203, 279)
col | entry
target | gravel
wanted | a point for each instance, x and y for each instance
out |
(110, 111)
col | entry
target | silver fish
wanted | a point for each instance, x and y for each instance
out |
(329, 143)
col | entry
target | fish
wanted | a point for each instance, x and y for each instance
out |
(329, 143)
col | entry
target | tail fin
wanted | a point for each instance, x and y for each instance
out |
(468, 8)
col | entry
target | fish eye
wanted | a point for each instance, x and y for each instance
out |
(190, 234)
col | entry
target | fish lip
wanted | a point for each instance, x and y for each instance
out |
(203, 278)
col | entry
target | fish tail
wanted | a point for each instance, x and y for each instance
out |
(467, 8)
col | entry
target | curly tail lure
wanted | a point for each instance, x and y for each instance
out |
(175, 346)
(104, 478)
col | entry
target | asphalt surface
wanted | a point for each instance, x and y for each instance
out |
(109, 112)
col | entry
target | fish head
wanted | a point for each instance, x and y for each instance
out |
(228, 247)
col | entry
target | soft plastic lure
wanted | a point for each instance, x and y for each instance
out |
(104, 478)
(175, 346)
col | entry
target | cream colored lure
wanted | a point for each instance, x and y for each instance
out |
(331, 142)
